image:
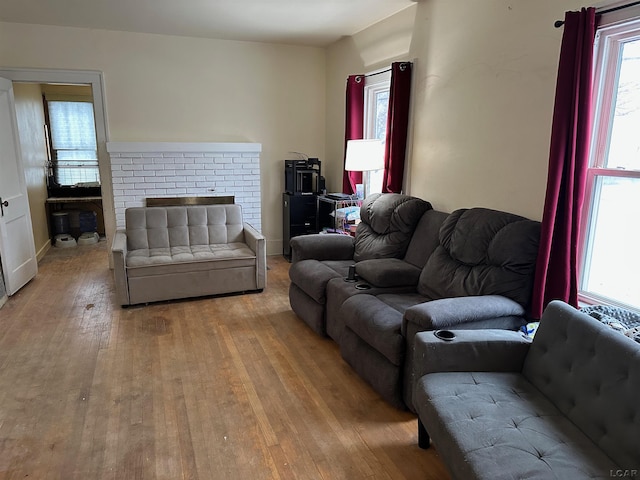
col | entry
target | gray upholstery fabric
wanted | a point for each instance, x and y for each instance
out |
(321, 247)
(338, 291)
(317, 259)
(310, 279)
(497, 425)
(569, 410)
(483, 252)
(143, 257)
(387, 223)
(475, 278)
(371, 343)
(425, 238)
(312, 276)
(591, 372)
(388, 323)
(186, 251)
(383, 376)
(485, 350)
(387, 275)
(164, 227)
(307, 309)
(376, 324)
(451, 312)
(388, 272)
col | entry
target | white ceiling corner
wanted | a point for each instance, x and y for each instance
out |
(300, 22)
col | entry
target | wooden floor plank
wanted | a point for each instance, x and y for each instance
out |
(233, 387)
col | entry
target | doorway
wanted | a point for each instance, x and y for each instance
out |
(94, 80)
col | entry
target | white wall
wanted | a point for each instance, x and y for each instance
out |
(484, 84)
(178, 89)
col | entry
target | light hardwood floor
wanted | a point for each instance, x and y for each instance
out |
(218, 388)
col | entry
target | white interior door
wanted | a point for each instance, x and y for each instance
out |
(17, 249)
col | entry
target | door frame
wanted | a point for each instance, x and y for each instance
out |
(96, 80)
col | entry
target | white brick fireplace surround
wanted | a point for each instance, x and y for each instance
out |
(161, 169)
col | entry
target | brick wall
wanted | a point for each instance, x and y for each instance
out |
(144, 170)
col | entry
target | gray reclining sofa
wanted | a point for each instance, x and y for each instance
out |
(565, 406)
(472, 268)
(175, 252)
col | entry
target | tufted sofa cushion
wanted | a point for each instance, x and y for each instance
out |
(590, 372)
(150, 228)
(387, 224)
(483, 252)
(496, 425)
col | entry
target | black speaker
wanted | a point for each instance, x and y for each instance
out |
(302, 177)
(299, 217)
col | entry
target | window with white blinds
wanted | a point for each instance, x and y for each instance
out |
(73, 142)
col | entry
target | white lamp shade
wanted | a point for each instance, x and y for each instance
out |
(364, 155)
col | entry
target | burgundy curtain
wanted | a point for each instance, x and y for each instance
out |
(354, 126)
(557, 266)
(397, 126)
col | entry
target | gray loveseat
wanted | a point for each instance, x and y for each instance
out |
(564, 406)
(186, 251)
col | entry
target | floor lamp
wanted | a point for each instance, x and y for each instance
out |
(364, 156)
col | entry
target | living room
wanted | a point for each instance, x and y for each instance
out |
(482, 105)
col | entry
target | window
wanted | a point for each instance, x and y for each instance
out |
(611, 256)
(376, 103)
(74, 151)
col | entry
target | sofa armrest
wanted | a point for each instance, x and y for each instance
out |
(388, 272)
(322, 247)
(119, 251)
(491, 350)
(256, 242)
(450, 312)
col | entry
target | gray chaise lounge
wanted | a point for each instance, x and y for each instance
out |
(565, 406)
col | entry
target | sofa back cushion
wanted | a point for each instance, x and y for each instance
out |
(592, 374)
(483, 252)
(425, 238)
(387, 223)
(164, 227)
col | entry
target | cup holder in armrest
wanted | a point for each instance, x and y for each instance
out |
(362, 286)
(446, 335)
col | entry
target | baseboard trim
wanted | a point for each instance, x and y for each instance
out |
(43, 251)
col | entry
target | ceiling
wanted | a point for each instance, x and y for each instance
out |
(298, 22)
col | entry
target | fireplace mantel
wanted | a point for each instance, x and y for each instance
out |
(183, 147)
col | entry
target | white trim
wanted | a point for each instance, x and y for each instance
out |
(607, 66)
(180, 147)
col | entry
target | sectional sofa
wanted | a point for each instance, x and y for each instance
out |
(417, 269)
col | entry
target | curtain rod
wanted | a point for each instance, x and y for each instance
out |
(560, 23)
(377, 73)
(402, 67)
